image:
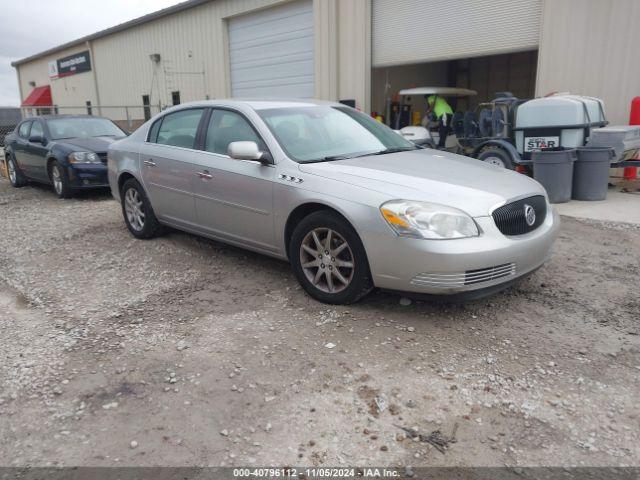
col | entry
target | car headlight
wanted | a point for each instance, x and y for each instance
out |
(83, 157)
(428, 220)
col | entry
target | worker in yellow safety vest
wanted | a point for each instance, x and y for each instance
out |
(440, 110)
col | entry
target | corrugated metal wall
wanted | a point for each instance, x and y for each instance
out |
(590, 47)
(194, 57)
(416, 31)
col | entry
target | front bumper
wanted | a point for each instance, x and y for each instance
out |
(453, 267)
(88, 175)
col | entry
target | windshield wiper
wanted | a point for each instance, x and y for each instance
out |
(332, 158)
(394, 150)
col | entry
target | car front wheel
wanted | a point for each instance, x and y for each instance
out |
(60, 180)
(329, 259)
(137, 211)
(15, 176)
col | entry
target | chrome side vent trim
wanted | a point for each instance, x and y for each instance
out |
(470, 277)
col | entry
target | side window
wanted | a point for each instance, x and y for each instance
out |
(36, 130)
(179, 129)
(24, 129)
(226, 127)
(153, 132)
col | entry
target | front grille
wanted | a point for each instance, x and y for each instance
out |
(487, 274)
(511, 220)
(470, 277)
(102, 156)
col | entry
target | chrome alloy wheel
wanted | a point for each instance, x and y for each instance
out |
(12, 171)
(327, 260)
(56, 176)
(133, 209)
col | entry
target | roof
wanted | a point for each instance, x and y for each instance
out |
(118, 28)
(256, 103)
(39, 97)
(442, 91)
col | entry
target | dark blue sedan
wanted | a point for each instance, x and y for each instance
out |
(66, 151)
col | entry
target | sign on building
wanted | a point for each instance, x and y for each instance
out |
(76, 63)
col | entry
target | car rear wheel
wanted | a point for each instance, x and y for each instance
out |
(15, 176)
(496, 156)
(137, 211)
(329, 259)
(60, 180)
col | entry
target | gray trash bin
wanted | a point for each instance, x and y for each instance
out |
(591, 173)
(554, 170)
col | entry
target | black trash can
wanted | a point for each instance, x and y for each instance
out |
(591, 173)
(553, 168)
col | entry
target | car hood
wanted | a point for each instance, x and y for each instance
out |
(434, 176)
(93, 144)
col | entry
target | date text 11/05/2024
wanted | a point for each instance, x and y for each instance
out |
(312, 473)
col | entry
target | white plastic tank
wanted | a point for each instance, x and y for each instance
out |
(556, 121)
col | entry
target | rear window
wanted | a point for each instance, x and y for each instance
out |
(178, 129)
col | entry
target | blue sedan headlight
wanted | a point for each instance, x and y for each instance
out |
(84, 157)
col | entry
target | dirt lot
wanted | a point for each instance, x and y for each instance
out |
(182, 351)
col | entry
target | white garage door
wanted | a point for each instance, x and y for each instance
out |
(271, 52)
(417, 31)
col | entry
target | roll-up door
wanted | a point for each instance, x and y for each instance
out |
(271, 52)
(419, 31)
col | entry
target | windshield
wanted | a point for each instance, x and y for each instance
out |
(324, 133)
(83, 127)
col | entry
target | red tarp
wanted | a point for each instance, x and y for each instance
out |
(39, 97)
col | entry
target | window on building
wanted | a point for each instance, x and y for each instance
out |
(175, 98)
(226, 127)
(146, 106)
(89, 109)
(23, 131)
(179, 129)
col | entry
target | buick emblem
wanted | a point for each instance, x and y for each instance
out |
(529, 215)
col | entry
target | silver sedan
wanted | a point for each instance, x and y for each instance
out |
(347, 201)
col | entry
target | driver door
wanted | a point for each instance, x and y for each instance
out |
(36, 152)
(234, 198)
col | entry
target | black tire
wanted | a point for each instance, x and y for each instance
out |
(496, 156)
(17, 179)
(150, 227)
(359, 276)
(60, 180)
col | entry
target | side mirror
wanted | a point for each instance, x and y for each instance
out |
(37, 139)
(246, 151)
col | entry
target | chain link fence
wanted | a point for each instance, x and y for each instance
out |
(127, 117)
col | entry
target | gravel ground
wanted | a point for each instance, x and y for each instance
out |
(182, 351)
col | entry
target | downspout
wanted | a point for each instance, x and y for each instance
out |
(95, 76)
(20, 87)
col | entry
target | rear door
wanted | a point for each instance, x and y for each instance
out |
(20, 148)
(234, 198)
(36, 152)
(167, 165)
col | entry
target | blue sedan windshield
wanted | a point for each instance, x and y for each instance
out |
(83, 127)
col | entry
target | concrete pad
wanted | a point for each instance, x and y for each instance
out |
(618, 207)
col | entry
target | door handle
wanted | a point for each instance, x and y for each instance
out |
(204, 175)
(150, 163)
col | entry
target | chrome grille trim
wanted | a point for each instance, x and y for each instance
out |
(470, 277)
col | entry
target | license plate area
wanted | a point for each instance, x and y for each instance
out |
(538, 143)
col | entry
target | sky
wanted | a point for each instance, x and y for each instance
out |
(32, 27)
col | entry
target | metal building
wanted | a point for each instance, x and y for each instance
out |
(361, 51)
